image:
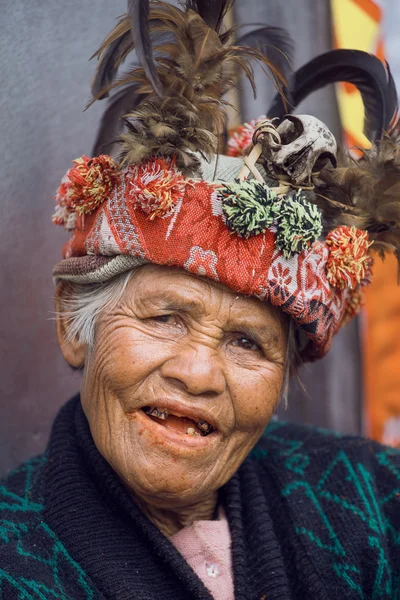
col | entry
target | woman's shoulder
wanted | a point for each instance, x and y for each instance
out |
(344, 470)
(283, 439)
(21, 491)
(21, 501)
(317, 454)
(350, 476)
(33, 560)
(337, 498)
(21, 513)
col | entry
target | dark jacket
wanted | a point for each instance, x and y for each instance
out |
(312, 516)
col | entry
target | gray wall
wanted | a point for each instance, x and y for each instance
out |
(45, 75)
(391, 20)
(44, 47)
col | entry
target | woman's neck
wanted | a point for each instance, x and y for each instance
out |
(170, 521)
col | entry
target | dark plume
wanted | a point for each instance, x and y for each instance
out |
(365, 192)
(187, 65)
(111, 55)
(138, 16)
(112, 125)
(211, 11)
(275, 44)
(365, 71)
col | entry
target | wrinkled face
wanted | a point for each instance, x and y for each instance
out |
(184, 377)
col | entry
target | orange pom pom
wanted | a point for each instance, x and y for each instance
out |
(348, 264)
(92, 180)
(156, 186)
(84, 188)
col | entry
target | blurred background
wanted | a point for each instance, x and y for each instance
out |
(45, 75)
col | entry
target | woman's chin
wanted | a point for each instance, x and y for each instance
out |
(158, 464)
(171, 487)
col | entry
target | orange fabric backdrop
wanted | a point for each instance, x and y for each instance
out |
(356, 25)
(381, 341)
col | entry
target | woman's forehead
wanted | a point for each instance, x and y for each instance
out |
(169, 284)
(176, 290)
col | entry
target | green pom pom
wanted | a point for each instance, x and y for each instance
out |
(248, 207)
(298, 222)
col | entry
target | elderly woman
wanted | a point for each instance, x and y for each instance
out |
(188, 293)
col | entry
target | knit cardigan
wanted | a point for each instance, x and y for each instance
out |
(312, 516)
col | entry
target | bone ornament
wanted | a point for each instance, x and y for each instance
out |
(306, 146)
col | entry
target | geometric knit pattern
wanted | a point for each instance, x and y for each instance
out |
(34, 563)
(338, 480)
(313, 515)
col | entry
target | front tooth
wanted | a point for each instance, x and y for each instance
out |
(191, 431)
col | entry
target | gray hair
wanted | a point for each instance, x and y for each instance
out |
(83, 304)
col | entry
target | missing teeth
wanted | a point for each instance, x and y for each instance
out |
(163, 414)
(205, 427)
(160, 413)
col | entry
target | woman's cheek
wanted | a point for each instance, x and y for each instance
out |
(255, 395)
(127, 355)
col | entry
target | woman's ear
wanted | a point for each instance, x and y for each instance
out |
(73, 350)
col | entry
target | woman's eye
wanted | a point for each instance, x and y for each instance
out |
(246, 343)
(163, 318)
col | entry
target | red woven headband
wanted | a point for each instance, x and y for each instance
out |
(241, 234)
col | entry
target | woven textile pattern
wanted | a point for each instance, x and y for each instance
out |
(195, 237)
(312, 515)
(25, 535)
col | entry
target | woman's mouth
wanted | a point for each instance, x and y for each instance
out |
(178, 423)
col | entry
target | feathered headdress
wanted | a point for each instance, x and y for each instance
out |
(172, 103)
(281, 217)
(363, 192)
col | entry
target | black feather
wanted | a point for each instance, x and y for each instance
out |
(138, 14)
(109, 63)
(364, 70)
(211, 11)
(112, 125)
(275, 43)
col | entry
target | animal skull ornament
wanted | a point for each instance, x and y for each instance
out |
(306, 146)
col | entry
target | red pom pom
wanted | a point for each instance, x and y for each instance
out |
(84, 188)
(348, 264)
(156, 186)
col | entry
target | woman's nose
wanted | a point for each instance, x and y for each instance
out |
(196, 369)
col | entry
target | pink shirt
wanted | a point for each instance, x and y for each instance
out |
(206, 546)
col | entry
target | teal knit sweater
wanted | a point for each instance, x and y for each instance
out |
(312, 516)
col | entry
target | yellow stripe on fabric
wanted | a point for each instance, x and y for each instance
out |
(356, 25)
(356, 28)
(351, 109)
